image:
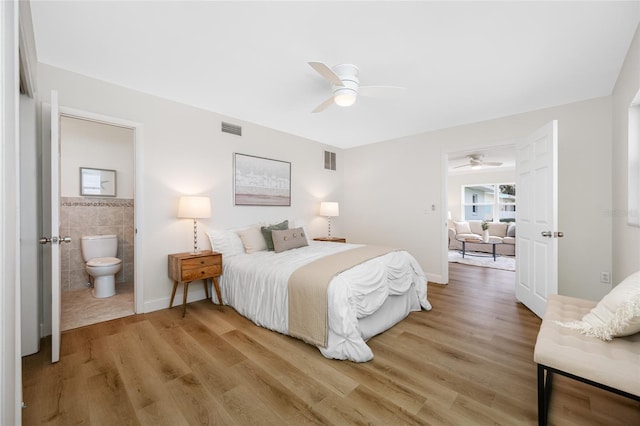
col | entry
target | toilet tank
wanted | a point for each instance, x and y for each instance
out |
(93, 246)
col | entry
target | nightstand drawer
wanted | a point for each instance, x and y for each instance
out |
(200, 262)
(199, 273)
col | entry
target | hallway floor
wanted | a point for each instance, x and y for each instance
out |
(80, 308)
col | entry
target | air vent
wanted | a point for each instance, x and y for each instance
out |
(329, 160)
(231, 128)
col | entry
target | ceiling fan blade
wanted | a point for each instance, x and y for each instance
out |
(491, 163)
(386, 92)
(464, 165)
(323, 105)
(327, 73)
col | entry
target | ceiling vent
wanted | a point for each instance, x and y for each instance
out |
(329, 160)
(231, 128)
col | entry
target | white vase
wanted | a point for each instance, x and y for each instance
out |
(485, 236)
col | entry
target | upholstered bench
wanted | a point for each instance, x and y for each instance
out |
(612, 365)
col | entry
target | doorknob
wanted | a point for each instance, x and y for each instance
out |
(54, 240)
(550, 234)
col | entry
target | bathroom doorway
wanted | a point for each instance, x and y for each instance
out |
(89, 144)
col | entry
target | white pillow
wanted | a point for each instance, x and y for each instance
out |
(462, 227)
(498, 229)
(616, 315)
(476, 227)
(252, 240)
(225, 241)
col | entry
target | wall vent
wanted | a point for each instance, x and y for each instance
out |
(329, 160)
(231, 128)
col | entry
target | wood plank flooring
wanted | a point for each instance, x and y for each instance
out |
(466, 362)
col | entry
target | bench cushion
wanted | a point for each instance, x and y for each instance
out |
(615, 363)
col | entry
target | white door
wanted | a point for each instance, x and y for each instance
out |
(52, 227)
(537, 218)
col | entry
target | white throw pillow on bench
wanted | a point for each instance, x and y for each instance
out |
(616, 315)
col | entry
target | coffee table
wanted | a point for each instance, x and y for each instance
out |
(494, 243)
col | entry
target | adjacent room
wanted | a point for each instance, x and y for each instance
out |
(370, 212)
(481, 194)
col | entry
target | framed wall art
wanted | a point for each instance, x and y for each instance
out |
(261, 181)
(97, 182)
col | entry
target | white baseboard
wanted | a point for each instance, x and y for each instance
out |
(196, 292)
(435, 278)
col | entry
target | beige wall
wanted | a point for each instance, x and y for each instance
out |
(626, 238)
(390, 188)
(96, 145)
(184, 152)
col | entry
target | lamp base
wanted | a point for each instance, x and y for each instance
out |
(196, 250)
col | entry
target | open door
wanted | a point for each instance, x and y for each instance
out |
(537, 218)
(51, 227)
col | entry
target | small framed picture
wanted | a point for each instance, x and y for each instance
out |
(97, 182)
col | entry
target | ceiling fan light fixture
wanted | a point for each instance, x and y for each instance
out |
(344, 99)
(476, 167)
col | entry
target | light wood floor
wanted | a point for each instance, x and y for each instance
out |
(466, 362)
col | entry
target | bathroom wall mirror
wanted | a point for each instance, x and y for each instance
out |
(97, 182)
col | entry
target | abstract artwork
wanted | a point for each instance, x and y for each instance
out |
(261, 181)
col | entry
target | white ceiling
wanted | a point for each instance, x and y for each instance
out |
(462, 62)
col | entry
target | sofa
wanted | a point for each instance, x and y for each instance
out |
(498, 231)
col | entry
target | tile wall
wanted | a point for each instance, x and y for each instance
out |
(94, 216)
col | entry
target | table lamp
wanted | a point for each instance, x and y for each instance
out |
(329, 209)
(194, 208)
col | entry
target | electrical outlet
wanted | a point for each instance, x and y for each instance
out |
(605, 278)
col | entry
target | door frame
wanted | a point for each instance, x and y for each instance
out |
(138, 210)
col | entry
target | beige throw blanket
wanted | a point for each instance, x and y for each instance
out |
(308, 310)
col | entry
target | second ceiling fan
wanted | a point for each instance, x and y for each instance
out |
(476, 162)
(345, 86)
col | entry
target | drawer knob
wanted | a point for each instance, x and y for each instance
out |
(202, 272)
(202, 262)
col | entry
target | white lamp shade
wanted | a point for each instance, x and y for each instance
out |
(194, 207)
(329, 208)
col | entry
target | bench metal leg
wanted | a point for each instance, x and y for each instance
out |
(544, 394)
(544, 389)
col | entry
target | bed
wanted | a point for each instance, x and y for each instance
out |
(362, 301)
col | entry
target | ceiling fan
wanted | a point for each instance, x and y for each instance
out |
(345, 85)
(476, 162)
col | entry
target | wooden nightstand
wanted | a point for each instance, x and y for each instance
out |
(187, 267)
(331, 239)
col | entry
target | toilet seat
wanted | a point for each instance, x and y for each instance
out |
(104, 261)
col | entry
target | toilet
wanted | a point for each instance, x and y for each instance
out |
(99, 251)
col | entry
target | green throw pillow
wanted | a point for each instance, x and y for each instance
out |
(266, 232)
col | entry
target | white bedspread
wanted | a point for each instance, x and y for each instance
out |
(256, 286)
